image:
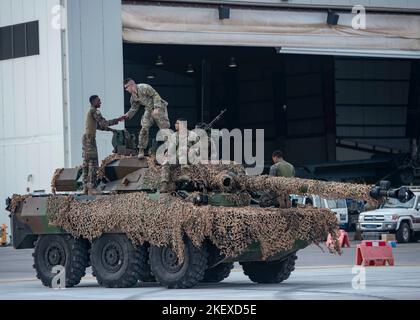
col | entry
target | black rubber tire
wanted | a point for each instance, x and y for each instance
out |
(169, 273)
(115, 261)
(270, 272)
(218, 273)
(64, 250)
(145, 271)
(402, 232)
(407, 177)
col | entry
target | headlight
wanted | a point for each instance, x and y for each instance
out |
(361, 218)
(395, 217)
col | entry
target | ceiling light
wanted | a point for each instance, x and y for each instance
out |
(159, 61)
(232, 63)
(190, 68)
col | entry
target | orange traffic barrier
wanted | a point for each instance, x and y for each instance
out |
(374, 253)
(343, 239)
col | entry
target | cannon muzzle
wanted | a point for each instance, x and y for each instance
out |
(403, 194)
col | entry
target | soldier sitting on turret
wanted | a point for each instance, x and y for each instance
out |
(182, 149)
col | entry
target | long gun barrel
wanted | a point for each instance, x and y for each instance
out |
(208, 126)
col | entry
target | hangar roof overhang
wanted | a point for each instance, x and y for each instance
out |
(291, 31)
(372, 6)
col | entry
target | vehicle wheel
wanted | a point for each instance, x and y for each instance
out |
(218, 273)
(146, 273)
(404, 233)
(115, 261)
(270, 272)
(170, 273)
(63, 250)
(406, 176)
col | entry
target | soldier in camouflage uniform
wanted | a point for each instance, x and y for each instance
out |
(94, 121)
(280, 168)
(155, 110)
(191, 144)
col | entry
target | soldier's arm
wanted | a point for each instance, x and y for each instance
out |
(135, 106)
(102, 123)
(273, 171)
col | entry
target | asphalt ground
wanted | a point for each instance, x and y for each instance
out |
(318, 275)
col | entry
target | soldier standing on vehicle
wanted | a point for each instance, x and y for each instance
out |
(155, 110)
(281, 168)
(94, 121)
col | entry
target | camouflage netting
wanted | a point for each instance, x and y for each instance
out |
(214, 177)
(16, 201)
(166, 221)
(327, 190)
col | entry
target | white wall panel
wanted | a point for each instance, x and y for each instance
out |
(31, 119)
(95, 67)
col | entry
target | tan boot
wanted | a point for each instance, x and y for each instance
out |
(141, 154)
(93, 192)
(164, 187)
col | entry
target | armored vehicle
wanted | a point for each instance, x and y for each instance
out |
(130, 232)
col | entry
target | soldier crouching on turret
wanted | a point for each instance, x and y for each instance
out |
(182, 149)
(94, 121)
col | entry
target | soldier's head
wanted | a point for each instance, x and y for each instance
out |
(181, 123)
(95, 101)
(277, 156)
(130, 85)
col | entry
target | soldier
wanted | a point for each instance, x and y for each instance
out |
(281, 168)
(94, 121)
(155, 110)
(191, 143)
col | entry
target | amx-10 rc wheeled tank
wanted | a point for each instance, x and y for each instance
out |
(131, 232)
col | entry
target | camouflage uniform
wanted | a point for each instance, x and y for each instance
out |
(191, 145)
(282, 169)
(94, 121)
(151, 100)
(270, 198)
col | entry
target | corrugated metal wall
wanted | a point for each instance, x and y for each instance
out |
(31, 126)
(372, 101)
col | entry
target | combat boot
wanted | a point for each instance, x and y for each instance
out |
(141, 154)
(94, 192)
(165, 187)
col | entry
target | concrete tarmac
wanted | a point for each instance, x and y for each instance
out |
(318, 275)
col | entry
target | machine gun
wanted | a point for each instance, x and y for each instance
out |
(209, 126)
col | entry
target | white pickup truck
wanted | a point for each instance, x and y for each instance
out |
(339, 207)
(402, 219)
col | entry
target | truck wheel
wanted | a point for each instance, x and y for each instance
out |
(218, 273)
(115, 261)
(174, 275)
(63, 250)
(146, 273)
(407, 177)
(270, 272)
(403, 233)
